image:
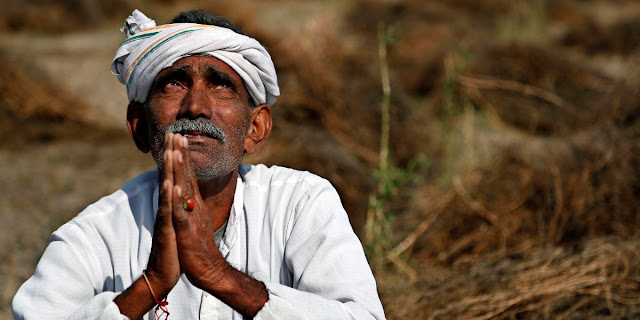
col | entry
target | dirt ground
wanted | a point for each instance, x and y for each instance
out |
(513, 184)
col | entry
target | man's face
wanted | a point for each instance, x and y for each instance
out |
(205, 100)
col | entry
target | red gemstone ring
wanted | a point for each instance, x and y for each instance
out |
(189, 205)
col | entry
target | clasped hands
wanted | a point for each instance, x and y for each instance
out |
(183, 240)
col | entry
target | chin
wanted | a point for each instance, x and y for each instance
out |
(210, 173)
(206, 175)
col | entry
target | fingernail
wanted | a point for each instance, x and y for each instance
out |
(179, 157)
(165, 185)
(179, 191)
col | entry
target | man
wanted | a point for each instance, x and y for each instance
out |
(203, 237)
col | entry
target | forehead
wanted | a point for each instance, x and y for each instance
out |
(202, 65)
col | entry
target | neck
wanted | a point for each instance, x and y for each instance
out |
(218, 195)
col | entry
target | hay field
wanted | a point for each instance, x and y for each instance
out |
(512, 184)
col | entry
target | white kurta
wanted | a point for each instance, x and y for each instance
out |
(286, 228)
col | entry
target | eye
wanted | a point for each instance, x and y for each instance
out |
(221, 81)
(172, 85)
(225, 84)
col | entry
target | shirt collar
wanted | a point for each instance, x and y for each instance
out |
(235, 217)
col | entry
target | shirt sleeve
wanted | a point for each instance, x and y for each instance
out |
(63, 285)
(331, 276)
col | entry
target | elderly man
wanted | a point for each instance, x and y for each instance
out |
(203, 236)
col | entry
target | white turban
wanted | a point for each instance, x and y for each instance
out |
(149, 49)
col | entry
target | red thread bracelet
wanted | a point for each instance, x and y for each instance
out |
(161, 305)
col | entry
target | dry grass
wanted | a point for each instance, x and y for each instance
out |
(596, 278)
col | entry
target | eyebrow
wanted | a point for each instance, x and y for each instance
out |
(217, 74)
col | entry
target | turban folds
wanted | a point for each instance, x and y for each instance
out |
(148, 49)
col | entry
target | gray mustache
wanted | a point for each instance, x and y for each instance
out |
(203, 125)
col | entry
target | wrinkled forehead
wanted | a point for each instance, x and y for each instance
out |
(205, 67)
(202, 64)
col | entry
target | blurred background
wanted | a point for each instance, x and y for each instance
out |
(487, 151)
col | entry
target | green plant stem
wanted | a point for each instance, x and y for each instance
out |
(385, 109)
(377, 225)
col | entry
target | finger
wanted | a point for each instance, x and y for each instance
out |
(188, 171)
(180, 169)
(166, 186)
(164, 216)
(164, 224)
(181, 224)
(163, 261)
(166, 174)
(183, 172)
(182, 190)
(168, 141)
(167, 169)
(179, 215)
(163, 232)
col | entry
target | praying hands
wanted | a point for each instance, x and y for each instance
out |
(183, 242)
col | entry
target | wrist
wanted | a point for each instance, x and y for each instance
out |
(161, 304)
(238, 290)
(156, 286)
(136, 300)
(211, 276)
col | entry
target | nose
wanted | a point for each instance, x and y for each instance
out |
(196, 102)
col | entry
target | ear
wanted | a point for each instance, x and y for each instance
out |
(138, 126)
(259, 128)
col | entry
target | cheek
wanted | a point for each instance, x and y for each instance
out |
(235, 116)
(238, 135)
(229, 109)
(160, 118)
